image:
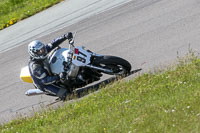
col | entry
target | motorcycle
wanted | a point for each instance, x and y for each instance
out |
(82, 65)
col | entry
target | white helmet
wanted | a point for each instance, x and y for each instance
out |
(37, 50)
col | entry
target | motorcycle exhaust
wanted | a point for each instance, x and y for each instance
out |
(33, 92)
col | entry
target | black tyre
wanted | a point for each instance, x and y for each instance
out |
(116, 64)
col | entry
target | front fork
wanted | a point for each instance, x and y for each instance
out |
(92, 65)
(99, 68)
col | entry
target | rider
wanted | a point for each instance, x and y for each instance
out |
(39, 66)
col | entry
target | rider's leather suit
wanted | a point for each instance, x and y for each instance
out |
(41, 74)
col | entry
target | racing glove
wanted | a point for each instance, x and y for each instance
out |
(69, 36)
(63, 76)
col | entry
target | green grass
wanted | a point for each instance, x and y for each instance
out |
(162, 102)
(12, 11)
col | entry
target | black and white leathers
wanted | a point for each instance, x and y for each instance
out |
(40, 71)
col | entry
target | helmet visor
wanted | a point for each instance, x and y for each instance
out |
(41, 52)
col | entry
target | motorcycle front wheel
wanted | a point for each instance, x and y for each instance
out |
(117, 65)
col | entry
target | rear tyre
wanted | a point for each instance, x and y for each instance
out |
(116, 64)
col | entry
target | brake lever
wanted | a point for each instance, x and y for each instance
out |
(71, 42)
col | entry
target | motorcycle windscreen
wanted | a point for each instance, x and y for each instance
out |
(25, 75)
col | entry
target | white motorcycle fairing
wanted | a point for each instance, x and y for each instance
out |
(80, 58)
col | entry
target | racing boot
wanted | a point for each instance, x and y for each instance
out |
(62, 94)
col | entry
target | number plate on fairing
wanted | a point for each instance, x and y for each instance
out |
(81, 57)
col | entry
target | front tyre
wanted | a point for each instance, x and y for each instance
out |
(117, 65)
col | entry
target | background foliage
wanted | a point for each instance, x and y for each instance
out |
(12, 11)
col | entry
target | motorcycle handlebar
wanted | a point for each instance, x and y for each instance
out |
(71, 41)
(71, 48)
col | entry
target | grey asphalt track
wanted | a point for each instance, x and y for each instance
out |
(148, 33)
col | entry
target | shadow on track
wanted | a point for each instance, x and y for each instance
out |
(84, 91)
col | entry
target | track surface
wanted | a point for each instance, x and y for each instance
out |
(148, 33)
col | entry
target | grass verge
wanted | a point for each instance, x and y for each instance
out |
(167, 101)
(12, 11)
